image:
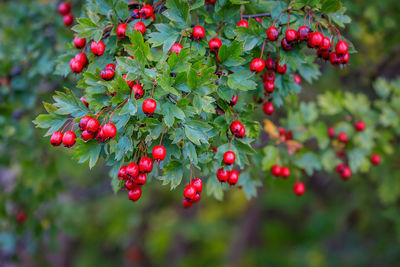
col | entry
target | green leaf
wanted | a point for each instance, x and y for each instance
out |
(122, 10)
(270, 156)
(173, 173)
(331, 6)
(214, 188)
(139, 49)
(123, 146)
(170, 112)
(178, 12)
(52, 121)
(166, 35)
(309, 111)
(204, 103)
(249, 186)
(308, 161)
(196, 131)
(87, 151)
(241, 81)
(189, 152)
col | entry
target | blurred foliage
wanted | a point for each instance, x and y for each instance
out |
(352, 223)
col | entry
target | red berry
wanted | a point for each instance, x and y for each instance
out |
(76, 65)
(345, 58)
(276, 170)
(79, 42)
(270, 64)
(130, 83)
(289, 135)
(242, 23)
(149, 106)
(135, 14)
(341, 47)
(97, 48)
(83, 99)
(339, 168)
(303, 33)
(122, 173)
(297, 79)
(281, 69)
(87, 135)
(56, 138)
(209, 2)
(272, 33)
(334, 59)
(237, 129)
(68, 19)
(21, 217)
(145, 165)
(282, 131)
(135, 193)
(285, 172)
(196, 198)
(331, 132)
(138, 91)
(316, 39)
(291, 35)
(139, 26)
(189, 192)
(92, 126)
(346, 173)
(233, 177)
(324, 54)
(110, 66)
(69, 139)
(375, 159)
(342, 137)
(257, 65)
(64, 8)
(359, 126)
(186, 203)
(222, 175)
(100, 136)
(198, 32)
(159, 153)
(141, 179)
(268, 76)
(234, 100)
(299, 188)
(132, 170)
(176, 48)
(269, 86)
(286, 45)
(214, 44)
(147, 11)
(81, 57)
(325, 44)
(109, 130)
(129, 184)
(229, 158)
(107, 74)
(198, 185)
(268, 108)
(121, 30)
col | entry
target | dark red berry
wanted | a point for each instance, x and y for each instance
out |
(198, 32)
(359, 126)
(122, 173)
(149, 106)
(87, 135)
(222, 175)
(121, 30)
(299, 188)
(147, 11)
(291, 35)
(324, 54)
(334, 59)
(129, 184)
(346, 173)
(268, 76)
(68, 19)
(331, 132)
(281, 69)
(233, 177)
(234, 100)
(109, 130)
(145, 165)
(56, 138)
(342, 137)
(186, 203)
(375, 159)
(138, 91)
(139, 26)
(269, 86)
(242, 23)
(141, 179)
(303, 33)
(214, 44)
(198, 185)
(196, 198)
(341, 48)
(257, 65)
(285, 172)
(339, 168)
(135, 193)
(69, 139)
(268, 108)
(107, 74)
(286, 45)
(97, 48)
(237, 129)
(92, 125)
(270, 64)
(21, 217)
(229, 157)
(189, 192)
(135, 14)
(176, 48)
(79, 42)
(159, 153)
(64, 8)
(132, 170)
(272, 33)
(276, 170)
(345, 58)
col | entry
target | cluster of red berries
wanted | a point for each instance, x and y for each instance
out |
(284, 172)
(91, 129)
(108, 72)
(342, 169)
(285, 134)
(64, 9)
(68, 139)
(145, 12)
(192, 193)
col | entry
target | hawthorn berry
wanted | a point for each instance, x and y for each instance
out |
(100, 136)
(281, 69)
(97, 48)
(269, 86)
(87, 135)
(69, 139)
(82, 58)
(233, 100)
(375, 159)
(109, 130)
(345, 58)
(339, 168)
(233, 177)
(130, 83)
(176, 48)
(121, 30)
(139, 26)
(214, 44)
(242, 23)
(334, 59)
(325, 44)
(135, 14)
(237, 129)
(276, 170)
(257, 65)
(196, 198)
(92, 126)
(331, 132)
(68, 19)
(122, 173)
(186, 203)
(359, 126)
(342, 137)
(110, 66)
(83, 100)
(222, 175)
(229, 158)
(141, 179)
(315, 39)
(76, 65)
(285, 172)
(270, 64)
(198, 32)
(149, 106)
(159, 153)
(189, 192)
(324, 54)
(79, 42)
(21, 217)
(281, 131)
(138, 91)
(64, 8)
(129, 184)
(135, 193)
(346, 173)
(132, 170)
(291, 35)
(198, 185)
(297, 79)
(56, 138)
(289, 135)
(145, 165)
(272, 33)
(299, 188)
(107, 74)
(147, 11)
(268, 76)
(303, 33)
(341, 48)
(286, 45)
(268, 108)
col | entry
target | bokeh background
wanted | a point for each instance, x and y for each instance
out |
(55, 212)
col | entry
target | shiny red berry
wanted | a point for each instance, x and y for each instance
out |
(68, 19)
(214, 44)
(334, 59)
(291, 35)
(56, 138)
(82, 58)
(285, 172)
(92, 125)
(341, 47)
(132, 170)
(269, 86)
(375, 159)
(299, 188)
(237, 129)
(286, 45)
(149, 106)
(229, 158)
(79, 42)
(122, 173)
(189, 192)
(145, 165)
(186, 203)
(110, 66)
(87, 135)
(97, 48)
(147, 11)
(138, 91)
(139, 26)
(107, 74)
(297, 79)
(234, 100)
(198, 32)
(316, 39)
(129, 184)
(276, 170)
(325, 44)
(69, 139)
(76, 65)
(135, 193)
(159, 153)
(130, 83)
(303, 33)
(196, 198)
(268, 108)
(272, 33)
(257, 65)
(176, 48)
(121, 30)
(109, 130)
(64, 8)
(359, 126)
(342, 137)
(141, 179)
(242, 23)
(198, 185)
(222, 175)
(281, 69)
(270, 64)
(345, 58)
(233, 177)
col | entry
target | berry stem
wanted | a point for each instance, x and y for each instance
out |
(162, 135)
(191, 172)
(241, 13)
(288, 19)
(152, 90)
(262, 50)
(273, 23)
(66, 126)
(181, 37)
(105, 109)
(257, 15)
(230, 146)
(112, 114)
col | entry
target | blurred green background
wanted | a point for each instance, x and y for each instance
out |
(72, 218)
